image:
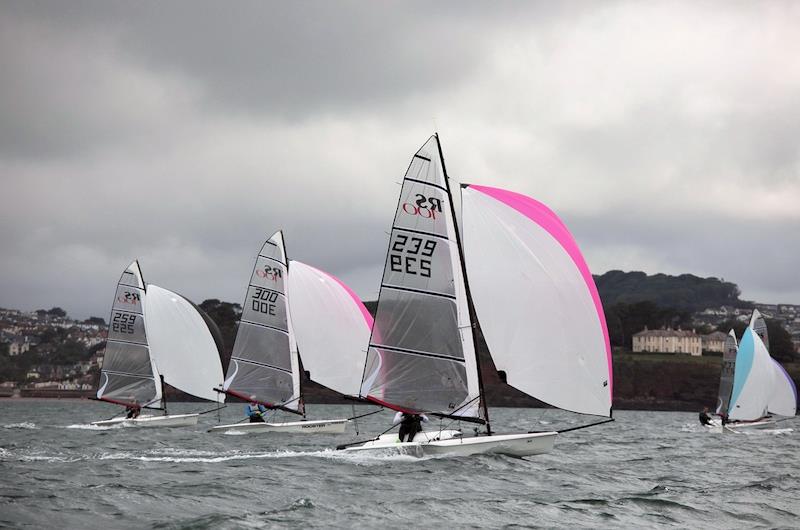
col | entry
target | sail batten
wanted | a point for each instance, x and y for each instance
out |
(264, 364)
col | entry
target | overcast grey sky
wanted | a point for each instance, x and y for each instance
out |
(665, 134)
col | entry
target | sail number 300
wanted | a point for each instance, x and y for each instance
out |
(264, 301)
(407, 261)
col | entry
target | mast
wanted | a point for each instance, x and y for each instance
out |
(471, 309)
(301, 404)
(163, 395)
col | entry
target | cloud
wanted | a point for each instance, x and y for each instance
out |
(186, 133)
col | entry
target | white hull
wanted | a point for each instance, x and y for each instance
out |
(307, 427)
(175, 420)
(717, 427)
(447, 443)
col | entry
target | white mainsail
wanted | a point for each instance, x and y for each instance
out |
(753, 379)
(181, 343)
(264, 364)
(536, 301)
(759, 326)
(128, 376)
(726, 377)
(421, 353)
(331, 325)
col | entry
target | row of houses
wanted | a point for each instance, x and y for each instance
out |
(670, 340)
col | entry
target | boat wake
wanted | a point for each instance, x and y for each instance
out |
(90, 427)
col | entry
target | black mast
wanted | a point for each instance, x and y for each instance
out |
(472, 316)
(301, 404)
(163, 394)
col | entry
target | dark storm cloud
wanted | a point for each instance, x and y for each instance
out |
(185, 133)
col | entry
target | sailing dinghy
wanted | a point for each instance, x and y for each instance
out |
(286, 305)
(526, 280)
(154, 336)
(754, 387)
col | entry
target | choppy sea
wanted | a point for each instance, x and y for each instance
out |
(647, 469)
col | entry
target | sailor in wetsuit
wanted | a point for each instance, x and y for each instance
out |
(705, 419)
(255, 412)
(410, 424)
(133, 411)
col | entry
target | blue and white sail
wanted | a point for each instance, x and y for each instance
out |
(753, 379)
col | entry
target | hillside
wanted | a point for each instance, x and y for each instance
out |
(686, 292)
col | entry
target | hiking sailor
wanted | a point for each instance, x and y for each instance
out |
(409, 424)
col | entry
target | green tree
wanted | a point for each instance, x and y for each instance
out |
(57, 312)
(780, 342)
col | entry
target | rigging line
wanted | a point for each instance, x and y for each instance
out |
(363, 415)
(342, 446)
(211, 410)
(609, 420)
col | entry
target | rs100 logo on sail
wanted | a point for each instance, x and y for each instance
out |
(426, 207)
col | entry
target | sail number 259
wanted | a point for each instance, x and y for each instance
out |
(408, 255)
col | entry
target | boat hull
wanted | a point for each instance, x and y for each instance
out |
(737, 426)
(175, 420)
(519, 445)
(306, 427)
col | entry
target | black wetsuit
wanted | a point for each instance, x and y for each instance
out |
(410, 425)
(705, 419)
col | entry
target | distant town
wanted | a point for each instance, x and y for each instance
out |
(47, 353)
(692, 342)
(45, 350)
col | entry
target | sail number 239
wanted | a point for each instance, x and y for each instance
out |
(408, 255)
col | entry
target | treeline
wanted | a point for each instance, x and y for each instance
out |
(686, 292)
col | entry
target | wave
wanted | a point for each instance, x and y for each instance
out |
(22, 425)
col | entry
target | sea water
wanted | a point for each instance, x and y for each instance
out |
(647, 469)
